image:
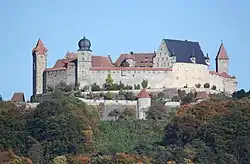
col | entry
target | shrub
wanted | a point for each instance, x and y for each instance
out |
(108, 96)
(144, 83)
(137, 86)
(206, 85)
(128, 114)
(95, 87)
(175, 99)
(50, 88)
(156, 112)
(213, 87)
(62, 86)
(129, 96)
(198, 85)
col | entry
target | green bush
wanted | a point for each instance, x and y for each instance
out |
(206, 85)
(109, 96)
(144, 84)
(95, 87)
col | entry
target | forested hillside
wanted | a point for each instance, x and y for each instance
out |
(65, 130)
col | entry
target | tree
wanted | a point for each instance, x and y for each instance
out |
(206, 85)
(114, 113)
(157, 112)
(144, 83)
(127, 114)
(198, 85)
(95, 87)
(109, 96)
(108, 82)
(1, 98)
(213, 87)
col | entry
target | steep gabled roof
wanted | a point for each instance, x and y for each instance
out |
(141, 59)
(40, 48)
(143, 94)
(101, 61)
(222, 53)
(184, 49)
(18, 97)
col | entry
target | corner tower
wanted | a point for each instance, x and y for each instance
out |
(84, 62)
(222, 60)
(143, 104)
(39, 54)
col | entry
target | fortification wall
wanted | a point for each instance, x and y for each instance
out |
(54, 77)
(108, 102)
(71, 74)
(156, 79)
(189, 74)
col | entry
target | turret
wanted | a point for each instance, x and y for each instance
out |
(193, 57)
(143, 104)
(84, 61)
(39, 53)
(222, 60)
(207, 60)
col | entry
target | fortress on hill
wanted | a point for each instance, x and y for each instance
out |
(176, 64)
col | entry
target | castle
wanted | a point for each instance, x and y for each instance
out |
(176, 64)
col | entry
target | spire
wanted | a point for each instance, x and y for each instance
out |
(222, 53)
(40, 48)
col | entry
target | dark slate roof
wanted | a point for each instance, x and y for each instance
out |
(184, 49)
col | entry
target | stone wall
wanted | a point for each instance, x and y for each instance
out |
(156, 79)
(39, 65)
(54, 77)
(108, 102)
(181, 75)
(189, 74)
(71, 74)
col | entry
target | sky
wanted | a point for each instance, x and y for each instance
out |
(115, 27)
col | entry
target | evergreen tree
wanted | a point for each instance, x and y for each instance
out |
(144, 84)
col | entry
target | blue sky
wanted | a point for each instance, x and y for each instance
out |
(117, 26)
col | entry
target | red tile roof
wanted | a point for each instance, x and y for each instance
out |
(101, 61)
(202, 95)
(141, 59)
(63, 62)
(40, 48)
(55, 69)
(222, 53)
(143, 94)
(130, 69)
(18, 97)
(223, 74)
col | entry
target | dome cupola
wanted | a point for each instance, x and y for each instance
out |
(84, 44)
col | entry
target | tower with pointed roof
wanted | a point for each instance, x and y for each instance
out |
(84, 62)
(39, 54)
(143, 103)
(222, 60)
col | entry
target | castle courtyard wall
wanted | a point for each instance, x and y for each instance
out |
(156, 78)
(54, 77)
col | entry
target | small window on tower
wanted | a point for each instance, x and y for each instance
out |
(82, 58)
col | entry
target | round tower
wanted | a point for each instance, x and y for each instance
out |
(84, 62)
(143, 104)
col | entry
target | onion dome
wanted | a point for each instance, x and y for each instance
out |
(84, 44)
